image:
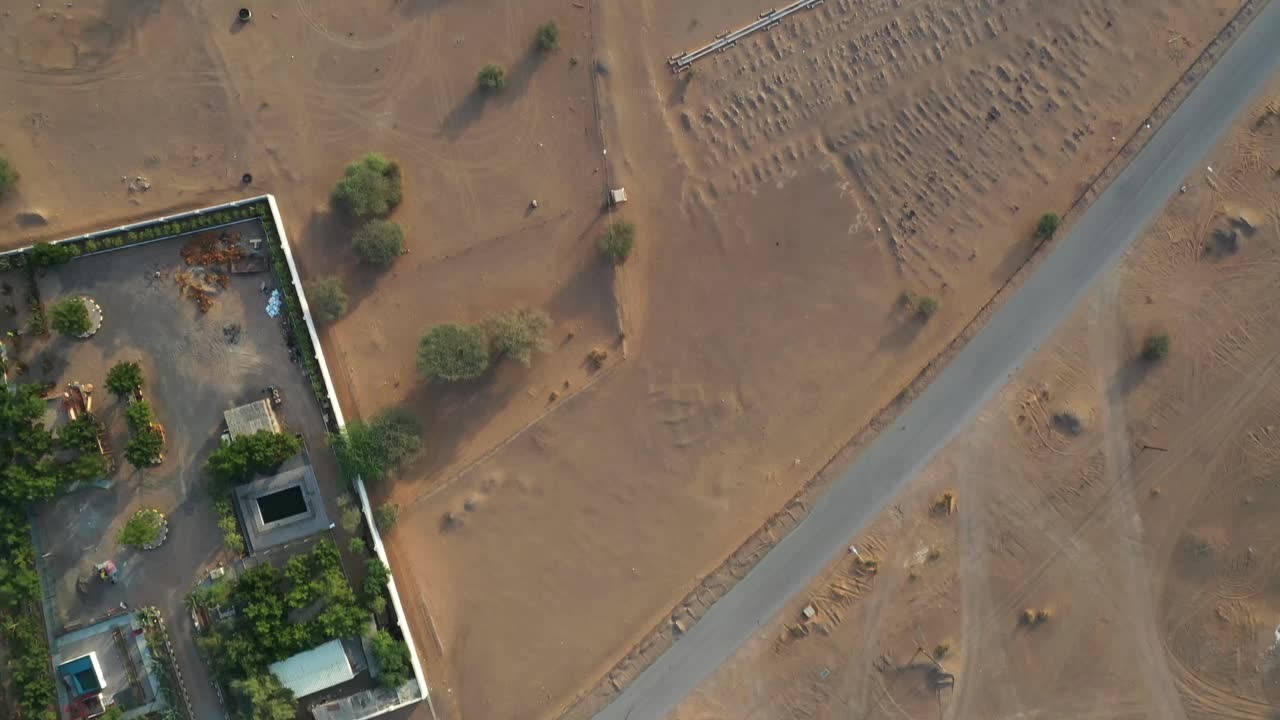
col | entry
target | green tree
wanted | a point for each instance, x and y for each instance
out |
(249, 455)
(453, 352)
(46, 255)
(369, 188)
(144, 448)
(385, 516)
(491, 78)
(71, 317)
(142, 529)
(926, 307)
(371, 450)
(379, 242)
(392, 657)
(265, 698)
(87, 466)
(124, 378)
(327, 298)
(375, 581)
(618, 241)
(518, 333)
(548, 36)
(1047, 226)
(8, 177)
(80, 435)
(27, 473)
(1156, 347)
(139, 416)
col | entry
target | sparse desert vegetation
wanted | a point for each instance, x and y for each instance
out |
(379, 242)
(1047, 226)
(517, 334)
(369, 188)
(328, 299)
(618, 241)
(491, 78)
(548, 36)
(453, 352)
(1156, 347)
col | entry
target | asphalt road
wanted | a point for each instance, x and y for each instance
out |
(1118, 216)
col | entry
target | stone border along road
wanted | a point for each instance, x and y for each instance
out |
(1016, 330)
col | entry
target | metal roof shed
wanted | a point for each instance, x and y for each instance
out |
(249, 419)
(311, 671)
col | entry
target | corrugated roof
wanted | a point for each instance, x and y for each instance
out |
(314, 670)
(249, 419)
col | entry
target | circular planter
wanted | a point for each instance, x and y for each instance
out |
(95, 317)
(164, 527)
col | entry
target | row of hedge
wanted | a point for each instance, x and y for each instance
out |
(45, 254)
(28, 668)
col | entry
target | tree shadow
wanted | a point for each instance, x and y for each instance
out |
(450, 414)
(907, 327)
(327, 235)
(420, 7)
(1015, 257)
(1130, 376)
(473, 106)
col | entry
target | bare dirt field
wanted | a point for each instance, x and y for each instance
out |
(786, 196)
(1129, 500)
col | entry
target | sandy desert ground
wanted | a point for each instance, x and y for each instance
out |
(1130, 500)
(786, 197)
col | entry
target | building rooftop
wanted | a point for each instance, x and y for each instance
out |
(249, 419)
(83, 675)
(314, 670)
(281, 508)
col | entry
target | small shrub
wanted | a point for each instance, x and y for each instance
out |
(548, 36)
(618, 241)
(351, 518)
(1156, 347)
(1047, 226)
(124, 378)
(453, 352)
(328, 299)
(385, 516)
(71, 317)
(926, 307)
(357, 546)
(369, 188)
(379, 242)
(491, 78)
(142, 529)
(518, 333)
(8, 177)
(92, 246)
